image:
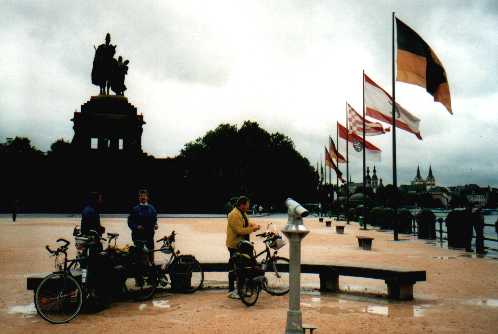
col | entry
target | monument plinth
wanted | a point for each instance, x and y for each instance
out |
(108, 123)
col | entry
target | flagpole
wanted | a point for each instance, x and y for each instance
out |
(347, 165)
(395, 177)
(365, 212)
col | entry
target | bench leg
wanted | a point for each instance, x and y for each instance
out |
(329, 281)
(400, 291)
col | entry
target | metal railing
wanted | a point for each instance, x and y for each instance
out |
(442, 235)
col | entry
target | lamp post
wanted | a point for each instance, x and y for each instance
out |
(295, 231)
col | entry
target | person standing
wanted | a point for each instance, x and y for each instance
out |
(15, 209)
(238, 228)
(143, 222)
(478, 223)
(90, 215)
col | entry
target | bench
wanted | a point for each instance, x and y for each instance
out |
(339, 229)
(309, 327)
(365, 242)
(399, 281)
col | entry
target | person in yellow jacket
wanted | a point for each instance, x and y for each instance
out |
(238, 228)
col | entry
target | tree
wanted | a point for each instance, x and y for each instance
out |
(60, 149)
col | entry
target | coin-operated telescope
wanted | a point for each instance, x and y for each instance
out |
(295, 231)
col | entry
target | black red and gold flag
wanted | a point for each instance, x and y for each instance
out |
(418, 64)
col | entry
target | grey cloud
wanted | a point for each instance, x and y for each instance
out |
(172, 46)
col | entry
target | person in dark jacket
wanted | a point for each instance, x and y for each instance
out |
(143, 222)
(90, 216)
(478, 223)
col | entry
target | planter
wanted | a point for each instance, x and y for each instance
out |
(339, 229)
(365, 242)
(328, 223)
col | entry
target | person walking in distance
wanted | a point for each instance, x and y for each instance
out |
(238, 228)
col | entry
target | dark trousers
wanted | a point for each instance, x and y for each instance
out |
(149, 243)
(231, 270)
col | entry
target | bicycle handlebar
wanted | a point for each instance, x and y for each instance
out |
(66, 243)
(171, 237)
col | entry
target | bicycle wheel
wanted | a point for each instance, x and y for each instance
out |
(194, 274)
(248, 290)
(58, 298)
(142, 283)
(277, 280)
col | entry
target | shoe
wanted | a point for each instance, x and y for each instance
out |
(233, 295)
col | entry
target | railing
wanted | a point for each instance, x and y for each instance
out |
(442, 235)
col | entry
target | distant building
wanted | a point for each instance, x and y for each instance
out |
(420, 182)
(480, 199)
(373, 182)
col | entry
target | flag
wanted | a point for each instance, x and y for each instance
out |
(378, 104)
(334, 153)
(418, 64)
(355, 124)
(356, 143)
(330, 163)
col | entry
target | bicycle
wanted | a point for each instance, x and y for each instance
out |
(59, 296)
(138, 275)
(184, 271)
(270, 275)
(276, 267)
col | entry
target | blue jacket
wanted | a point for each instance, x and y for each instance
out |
(146, 216)
(90, 220)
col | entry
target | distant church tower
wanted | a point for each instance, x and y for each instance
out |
(428, 183)
(375, 180)
(368, 178)
(418, 180)
(431, 181)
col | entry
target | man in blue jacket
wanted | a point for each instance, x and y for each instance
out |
(143, 222)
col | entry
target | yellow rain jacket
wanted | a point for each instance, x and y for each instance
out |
(237, 228)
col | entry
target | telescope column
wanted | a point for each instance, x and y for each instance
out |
(295, 231)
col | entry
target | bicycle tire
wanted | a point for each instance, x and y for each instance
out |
(195, 275)
(142, 284)
(248, 291)
(277, 284)
(47, 285)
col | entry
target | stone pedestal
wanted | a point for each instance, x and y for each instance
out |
(108, 124)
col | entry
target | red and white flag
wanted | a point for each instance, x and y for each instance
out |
(355, 124)
(356, 144)
(334, 153)
(330, 163)
(378, 104)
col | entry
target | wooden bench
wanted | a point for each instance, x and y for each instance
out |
(309, 327)
(365, 242)
(339, 229)
(399, 281)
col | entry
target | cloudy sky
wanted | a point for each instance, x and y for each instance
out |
(289, 65)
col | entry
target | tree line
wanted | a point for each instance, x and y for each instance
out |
(227, 161)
